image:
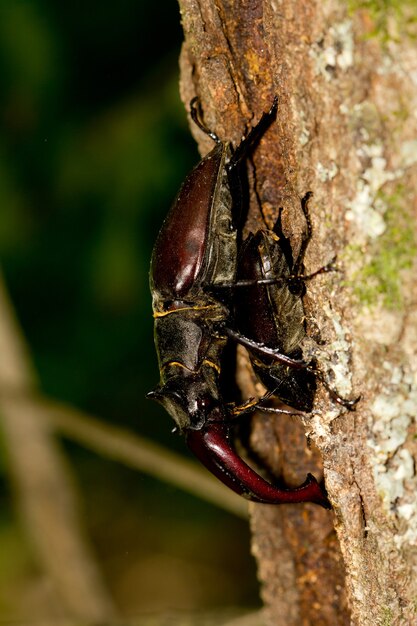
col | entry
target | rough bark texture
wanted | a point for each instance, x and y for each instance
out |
(346, 130)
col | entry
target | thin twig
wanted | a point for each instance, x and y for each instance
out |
(143, 455)
(47, 497)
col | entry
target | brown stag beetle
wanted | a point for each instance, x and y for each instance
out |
(197, 274)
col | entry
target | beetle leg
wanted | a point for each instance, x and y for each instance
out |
(253, 404)
(294, 363)
(248, 142)
(246, 408)
(348, 404)
(277, 280)
(254, 135)
(329, 267)
(268, 352)
(195, 111)
(270, 394)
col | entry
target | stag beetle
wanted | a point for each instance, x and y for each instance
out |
(197, 274)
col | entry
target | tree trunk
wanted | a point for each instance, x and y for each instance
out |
(345, 130)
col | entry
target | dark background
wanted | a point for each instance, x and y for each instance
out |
(94, 146)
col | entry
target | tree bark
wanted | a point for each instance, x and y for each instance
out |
(346, 130)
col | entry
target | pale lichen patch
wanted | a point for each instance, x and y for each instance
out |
(326, 174)
(335, 51)
(408, 153)
(377, 276)
(336, 355)
(366, 209)
(406, 511)
(333, 359)
(318, 425)
(369, 221)
(393, 413)
(304, 133)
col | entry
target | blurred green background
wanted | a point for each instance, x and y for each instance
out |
(94, 146)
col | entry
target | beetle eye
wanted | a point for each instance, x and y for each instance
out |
(203, 403)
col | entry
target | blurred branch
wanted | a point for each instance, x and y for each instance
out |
(257, 618)
(46, 495)
(142, 455)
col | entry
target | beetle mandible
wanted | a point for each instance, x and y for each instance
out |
(193, 277)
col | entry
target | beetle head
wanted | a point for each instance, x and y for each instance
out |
(189, 401)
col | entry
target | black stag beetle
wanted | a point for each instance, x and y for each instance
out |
(201, 282)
